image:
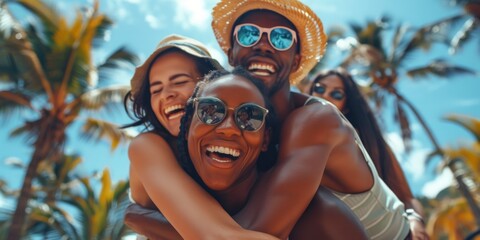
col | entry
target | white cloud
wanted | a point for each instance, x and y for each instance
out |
(152, 21)
(192, 14)
(432, 188)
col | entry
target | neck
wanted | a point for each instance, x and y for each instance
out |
(282, 102)
(234, 198)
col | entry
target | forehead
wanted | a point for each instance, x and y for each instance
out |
(173, 61)
(264, 18)
(233, 90)
(332, 80)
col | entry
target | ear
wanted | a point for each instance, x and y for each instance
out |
(266, 139)
(230, 56)
(296, 62)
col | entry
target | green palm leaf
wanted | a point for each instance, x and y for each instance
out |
(439, 68)
(98, 129)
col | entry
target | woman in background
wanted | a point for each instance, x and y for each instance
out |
(338, 87)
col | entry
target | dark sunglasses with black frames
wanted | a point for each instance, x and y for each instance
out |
(335, 94)
(280, 38)
(212, 111)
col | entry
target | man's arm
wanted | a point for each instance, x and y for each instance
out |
(308, 136)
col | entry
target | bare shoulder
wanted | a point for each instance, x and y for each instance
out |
(319, 116)
(147, 143)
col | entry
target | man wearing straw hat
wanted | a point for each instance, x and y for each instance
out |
(280, 41)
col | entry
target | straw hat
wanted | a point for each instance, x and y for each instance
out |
(187, 45)
(312, 38)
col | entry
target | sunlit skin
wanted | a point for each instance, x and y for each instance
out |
(224, 173)
(172, 79)
(332, 83)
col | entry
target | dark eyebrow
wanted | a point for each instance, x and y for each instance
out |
(171, 78)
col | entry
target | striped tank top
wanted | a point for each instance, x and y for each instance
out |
(380, 211)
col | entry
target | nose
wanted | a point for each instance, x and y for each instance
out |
(228, 127)
(263, 44)
(167, 94)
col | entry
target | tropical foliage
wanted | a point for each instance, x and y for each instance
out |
(49, 71)
(452, 215)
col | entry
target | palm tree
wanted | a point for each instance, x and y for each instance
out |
(49, 71)
(454, 216)
(385, 67)
(101, 216)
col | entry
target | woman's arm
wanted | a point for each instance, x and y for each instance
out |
(398, 183)
(150, 223)
(191, 210)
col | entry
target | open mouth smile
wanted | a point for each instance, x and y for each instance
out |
(222, 154)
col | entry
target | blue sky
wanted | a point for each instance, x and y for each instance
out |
(140, 24)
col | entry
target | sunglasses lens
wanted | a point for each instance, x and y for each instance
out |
(249, 117)
(210, 111)
(248, 35)
(281, 38)
(337, 95)
(319, 89)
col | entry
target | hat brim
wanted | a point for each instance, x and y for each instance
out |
(141, 71)
(312, 38)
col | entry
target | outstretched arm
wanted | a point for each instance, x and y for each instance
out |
(191, 210)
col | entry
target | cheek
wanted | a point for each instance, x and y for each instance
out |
(155, 103)
(255, 139)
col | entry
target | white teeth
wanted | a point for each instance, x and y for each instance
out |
(222, 161)
(265, 67)
(173, 108)
(224, 150)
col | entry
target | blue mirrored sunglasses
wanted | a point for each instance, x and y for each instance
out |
(335, 94)
(280, 38)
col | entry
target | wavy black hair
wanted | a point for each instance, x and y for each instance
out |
(266, 158)
(360, 114)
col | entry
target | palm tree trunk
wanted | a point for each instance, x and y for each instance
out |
(18, 219)
(462, 186)
(49, 139)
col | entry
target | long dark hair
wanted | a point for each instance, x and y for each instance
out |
(266, 158)
(138, 106)
(359, 113)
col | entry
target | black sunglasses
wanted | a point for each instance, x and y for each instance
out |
(335, 94)
(212, 111)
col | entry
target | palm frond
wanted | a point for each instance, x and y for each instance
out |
(100, 98)
(121, 58)
(426, 36)
(439, 68)
(12, 100)
(47, 14)
(397, 40)
(464, 34)
(470, 123)
(18, 60)
(98, 129)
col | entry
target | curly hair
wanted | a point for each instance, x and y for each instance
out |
(267, 158)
